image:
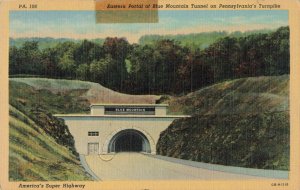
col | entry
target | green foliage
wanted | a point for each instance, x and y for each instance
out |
(235, 96)
(159, 64)
(100, 70)
(39, 107)
(27, 99)
(38, 140)
(244, 122)
(86, 52)
(45, 43)
(29, 54)
(259, 140)
(118, 49)
(66, 64)
(36, 155)
(83, 71)
(154, 68)
(197, 40)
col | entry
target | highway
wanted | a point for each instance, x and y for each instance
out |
(137, 166)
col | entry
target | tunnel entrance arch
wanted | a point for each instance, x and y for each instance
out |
(106, 121)
(129, 140)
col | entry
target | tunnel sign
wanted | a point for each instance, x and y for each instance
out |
(124, 110)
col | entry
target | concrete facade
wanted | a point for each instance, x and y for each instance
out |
(99, 132)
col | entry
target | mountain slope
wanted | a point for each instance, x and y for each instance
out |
(198, 40)
(244, 122)
(246, 95)
(88, 91)
(48, 42)
(34, 155)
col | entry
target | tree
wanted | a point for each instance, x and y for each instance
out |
(168, 56)
(142, 73)
(83, 72)
(67, 64)
(163, 66)
(86, 52)
(224, 56)
(102, 71)
(254, 53)
(28, 58)
(195, 73)
(118, 49)
(49, 60)
(15, 66)
(279, 60)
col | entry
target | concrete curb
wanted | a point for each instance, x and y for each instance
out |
(274, 174)
(87, 168)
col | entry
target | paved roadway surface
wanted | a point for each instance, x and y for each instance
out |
(137, 166)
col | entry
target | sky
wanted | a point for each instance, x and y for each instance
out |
(82, 24)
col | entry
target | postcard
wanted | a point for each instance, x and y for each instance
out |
(150, 94)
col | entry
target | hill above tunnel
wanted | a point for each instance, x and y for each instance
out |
(243, 122)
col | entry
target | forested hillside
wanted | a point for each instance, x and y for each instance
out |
(244, 122)
(197, 40)
(163, 67)
(45, 43)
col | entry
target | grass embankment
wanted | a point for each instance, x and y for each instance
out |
(243, 122)
(82, 90)
(34, 155)
(41, 146)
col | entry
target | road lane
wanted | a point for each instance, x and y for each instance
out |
(136, 166)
